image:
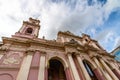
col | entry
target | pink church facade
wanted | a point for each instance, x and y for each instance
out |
(24, 56)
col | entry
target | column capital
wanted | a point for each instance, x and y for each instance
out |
(111, 60)
(75, 53)
(37, 51)
(43, 53)
(30, 52)
(93, 56)
(3, 52)
(96, 56)
(30, 49)
(69, 53)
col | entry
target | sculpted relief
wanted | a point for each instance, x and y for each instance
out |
(13, 58)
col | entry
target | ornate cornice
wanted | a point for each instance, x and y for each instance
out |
(28, 23)
(35, 41)
(3, 49)
(1, 43)
(15, 67)
(88, 47)
(56, 45)
(68, 33)
(96, 56)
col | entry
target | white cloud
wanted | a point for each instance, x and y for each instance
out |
(117, 42)
(62, 17)
(72, 15)
(110, 6)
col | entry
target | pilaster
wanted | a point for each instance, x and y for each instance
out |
(46, 73)
(85, 73)
(73, 68)
(41, 73)
(68, 74)
(25, 66)
(109, 70)
(98, 64)
(115, 70)
(98, 74)
(1, 55)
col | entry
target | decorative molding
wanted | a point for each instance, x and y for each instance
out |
(12, 58)
(3, 48)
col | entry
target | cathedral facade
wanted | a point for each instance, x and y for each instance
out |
(24, 56)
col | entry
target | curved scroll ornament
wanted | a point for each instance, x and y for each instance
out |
(14, 58)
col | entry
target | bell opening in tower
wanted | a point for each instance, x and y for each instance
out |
(29, 31)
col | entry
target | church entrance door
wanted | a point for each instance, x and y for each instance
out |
(56, 70)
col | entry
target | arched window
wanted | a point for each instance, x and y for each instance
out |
(89, 70)
(29, 30)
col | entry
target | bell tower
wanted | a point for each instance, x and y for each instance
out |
(29, 29)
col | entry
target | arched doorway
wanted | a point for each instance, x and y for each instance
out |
(89, 70)
(56, 70)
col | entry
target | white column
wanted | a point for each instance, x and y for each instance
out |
(25, 67)
(114, 67)
(85, 73)
(41, 73)
(36, 31)
(1, 55)
(22, 28)
(100, 67)
(62, 39)
(73, 68)
(115, 64)
(109, 70)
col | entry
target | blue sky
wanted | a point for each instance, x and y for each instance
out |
(98, 18)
